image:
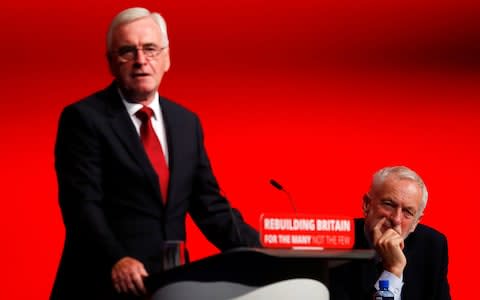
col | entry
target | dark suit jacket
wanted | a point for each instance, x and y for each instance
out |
(424, 277)
(110, 198)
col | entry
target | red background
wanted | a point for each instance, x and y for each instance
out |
(316, 94)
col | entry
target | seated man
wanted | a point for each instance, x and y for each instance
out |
(412, 256)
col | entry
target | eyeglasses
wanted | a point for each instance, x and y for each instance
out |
(128, 53)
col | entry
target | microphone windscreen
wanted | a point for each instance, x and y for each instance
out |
(276, 184)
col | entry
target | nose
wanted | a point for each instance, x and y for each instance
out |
(396, 217)
(140, 57)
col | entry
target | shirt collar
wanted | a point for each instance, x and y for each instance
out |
(133, 107)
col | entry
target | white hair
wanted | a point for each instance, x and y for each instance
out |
(135, 13)
(400, 172)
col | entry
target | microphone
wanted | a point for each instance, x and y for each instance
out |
(279, 187)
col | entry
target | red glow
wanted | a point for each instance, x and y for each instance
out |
(316, 94)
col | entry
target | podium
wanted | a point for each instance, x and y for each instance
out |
(255, 267)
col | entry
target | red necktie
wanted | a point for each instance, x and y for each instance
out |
(154, 149)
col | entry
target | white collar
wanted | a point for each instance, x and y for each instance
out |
(133, 107)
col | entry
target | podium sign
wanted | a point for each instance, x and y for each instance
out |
(306, 231)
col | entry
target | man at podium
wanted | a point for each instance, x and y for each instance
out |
(130, 165)
(412, 256)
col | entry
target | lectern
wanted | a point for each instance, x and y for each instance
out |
(255, 267)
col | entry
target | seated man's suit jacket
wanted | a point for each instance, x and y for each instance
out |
(424, 277)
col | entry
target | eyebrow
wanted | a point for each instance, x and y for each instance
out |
(149, 45)
(135, 46)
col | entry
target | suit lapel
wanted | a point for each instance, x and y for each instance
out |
(125, 130)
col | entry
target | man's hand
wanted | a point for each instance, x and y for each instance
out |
(127, 276)
(389, 246)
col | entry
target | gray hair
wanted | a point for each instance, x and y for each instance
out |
(401, 172)
(135, 13)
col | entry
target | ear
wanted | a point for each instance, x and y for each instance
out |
(110, 62)
(366, 204)
(166, 54)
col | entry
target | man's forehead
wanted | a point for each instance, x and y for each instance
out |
(144, 29)
(400, 189)
(399, 182)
